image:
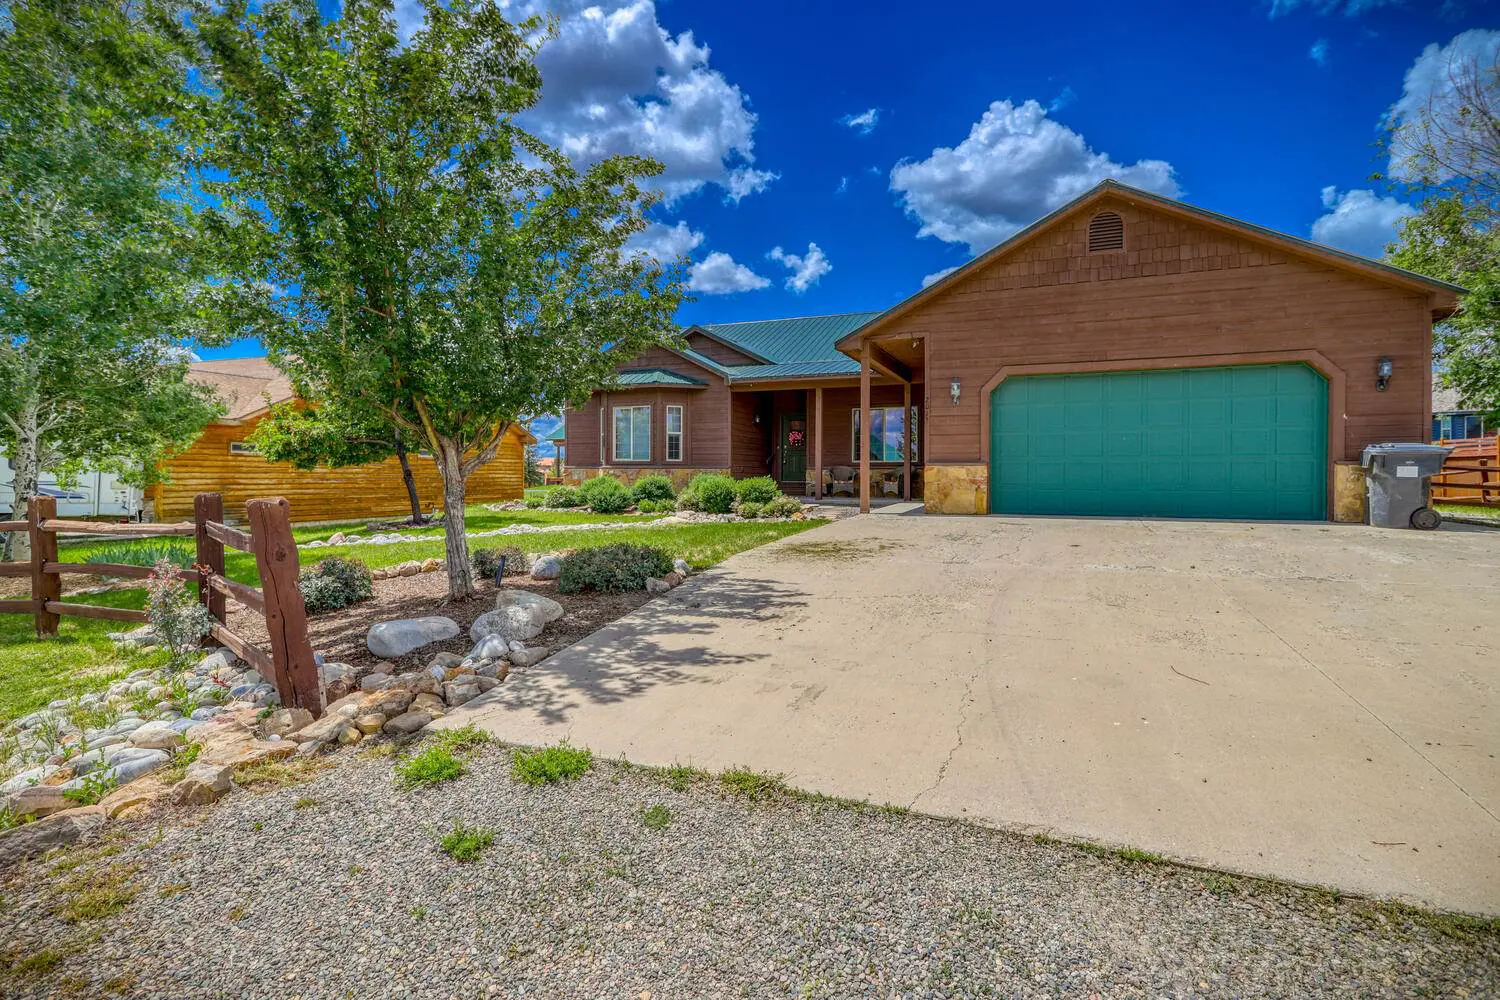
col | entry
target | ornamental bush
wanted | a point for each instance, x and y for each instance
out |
(688, 500)
(612, 569)
(654, 487)
(487, 561)
(716, 494)
(760, 489)
(564, 497)
(781, 506)
(335, 582)
(749, 509)
(605, 495)
(177, 620)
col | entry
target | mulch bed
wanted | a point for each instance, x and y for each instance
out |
(340, 635)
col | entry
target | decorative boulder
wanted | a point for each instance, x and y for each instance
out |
(655, 586)
(203, 783)
(286, 721)
(546, 567)
(530, 657)
(406, 723)
(399, 637)
(58, 830)
(156, 736)
(518, 614)
(681, 566)
(38, 800)
(491, 647)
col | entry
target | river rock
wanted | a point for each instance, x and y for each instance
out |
(531, 656)
(518, 614)
(203, 783)
(546, 567)
(37, 800)
(406, 723)
(399, 637)
(491, 647)
(156, 736)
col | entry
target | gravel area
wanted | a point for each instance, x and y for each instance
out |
(335, 888)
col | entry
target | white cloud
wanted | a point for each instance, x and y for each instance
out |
(939, 275)
(1015, 166)
(864, 123)
(1349, 8)
(843, 186)
(1062, 100)
(615, 81)
(806, 268)
(665, 243)
(1319, 52)
(1430, 83)
(1359, 221)
(720, 274)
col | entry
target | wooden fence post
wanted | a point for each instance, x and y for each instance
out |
(44, 586)
(209, 507)
(286, 616)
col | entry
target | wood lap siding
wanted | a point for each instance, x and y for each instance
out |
(320, 494)
(1177, 290)
(705, 442)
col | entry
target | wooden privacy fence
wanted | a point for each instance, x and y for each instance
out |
(289, 663)
(1471, 472)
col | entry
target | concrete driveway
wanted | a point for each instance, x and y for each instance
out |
(1309, 701)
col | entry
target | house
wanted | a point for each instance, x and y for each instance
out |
(1127, 354)
(223, 460)
(1452, 420)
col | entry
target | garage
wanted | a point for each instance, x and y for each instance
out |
(1246, 441)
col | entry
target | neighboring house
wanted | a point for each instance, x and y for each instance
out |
(559, 441)
(1125, 355)
(223, 461)
(1452, 421)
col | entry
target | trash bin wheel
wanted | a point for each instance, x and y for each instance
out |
(1425, 518)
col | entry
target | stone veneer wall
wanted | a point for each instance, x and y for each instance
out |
(956, 489)
(629, 474)
(1349, 492)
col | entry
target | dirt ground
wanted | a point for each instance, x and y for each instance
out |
(340, 635)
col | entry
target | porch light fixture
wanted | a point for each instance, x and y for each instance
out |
(1384, 368)
(954, 388)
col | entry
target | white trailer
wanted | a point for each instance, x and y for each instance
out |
(97, 495)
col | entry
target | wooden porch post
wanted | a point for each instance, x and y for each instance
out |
(906, 442)
(864, 428)
(818, 442)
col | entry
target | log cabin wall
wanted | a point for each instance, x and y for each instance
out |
(353, 493)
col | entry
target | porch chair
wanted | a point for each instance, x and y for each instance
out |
(841, 480)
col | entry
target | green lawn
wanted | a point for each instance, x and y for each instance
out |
(34, 672)
(1468, 509)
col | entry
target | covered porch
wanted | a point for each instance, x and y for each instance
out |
(826, 438)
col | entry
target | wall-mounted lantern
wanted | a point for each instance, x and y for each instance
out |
(1384, 368)
(954, 388)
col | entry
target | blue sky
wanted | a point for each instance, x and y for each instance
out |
(826, 157)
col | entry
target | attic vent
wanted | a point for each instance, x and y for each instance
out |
(1106, 232)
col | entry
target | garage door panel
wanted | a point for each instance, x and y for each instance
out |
(1235, 442)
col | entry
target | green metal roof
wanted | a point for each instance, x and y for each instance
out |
(806, 342)
(559, 433)
(638, 377)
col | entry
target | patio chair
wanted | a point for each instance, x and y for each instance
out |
(841, 480)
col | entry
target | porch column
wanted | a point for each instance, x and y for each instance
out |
(906, 442)
(818, 443)
(864, 428)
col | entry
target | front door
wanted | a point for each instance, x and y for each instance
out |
(793, 452)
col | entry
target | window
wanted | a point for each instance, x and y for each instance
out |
(1106, 232)
(243, 448)
(886, 433)
(1452, 426)
(674, 434)
(632, 434)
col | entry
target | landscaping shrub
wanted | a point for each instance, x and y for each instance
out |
(605, 495)
(760, 489)
(335, 582)
(534, 503)
(716, 494)
(430, 767)
(781, 506)
(176, 617)
(749, 509)
(688, 500)
(146, 552)
(611, 569)
(645, 506)
(564, 497)
(487, 561)
(654, 487)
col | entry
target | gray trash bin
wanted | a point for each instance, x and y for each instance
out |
(1399, 484)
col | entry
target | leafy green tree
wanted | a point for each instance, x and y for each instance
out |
(1449, 151)
(101, 278)
(534, 474)
(334, 437)
(441, 269)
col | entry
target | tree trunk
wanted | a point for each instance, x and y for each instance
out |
(411, 482)
(26, 472)
(455, 543)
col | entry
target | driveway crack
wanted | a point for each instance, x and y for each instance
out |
(964, 705)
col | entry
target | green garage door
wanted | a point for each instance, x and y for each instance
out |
(1242, 442)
